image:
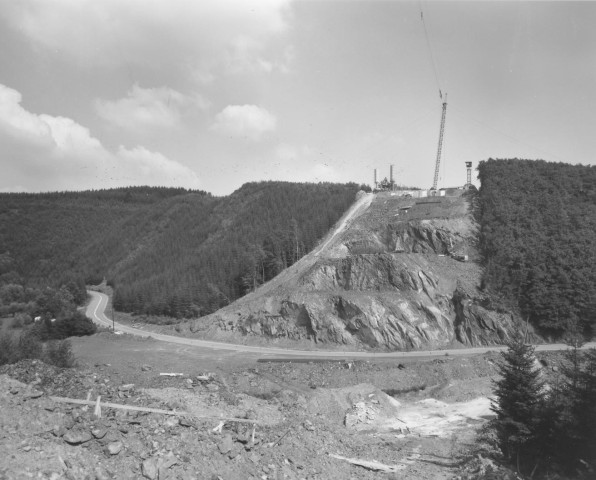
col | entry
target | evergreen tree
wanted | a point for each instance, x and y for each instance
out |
(575, 432)
(519, 399)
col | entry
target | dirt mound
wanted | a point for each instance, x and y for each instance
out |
(365, 408)
(360, 407)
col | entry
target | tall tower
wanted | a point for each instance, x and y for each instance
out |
(391, 183)
(469, 174)
(375, 179)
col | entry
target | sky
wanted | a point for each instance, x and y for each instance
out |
(212, 94)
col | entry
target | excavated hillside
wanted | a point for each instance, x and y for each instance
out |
(394, 274)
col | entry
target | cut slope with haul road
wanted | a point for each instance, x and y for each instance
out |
(395, 274)
(99, 301)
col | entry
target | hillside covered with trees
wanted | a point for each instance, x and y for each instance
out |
(538, 222)
(165, 251)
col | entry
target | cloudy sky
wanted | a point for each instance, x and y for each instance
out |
(211, 94)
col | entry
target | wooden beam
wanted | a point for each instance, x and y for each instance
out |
(370, 464)
(150, 410)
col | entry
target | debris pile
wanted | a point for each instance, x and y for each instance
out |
(266, 422)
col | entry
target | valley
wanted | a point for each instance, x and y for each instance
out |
(373, 355)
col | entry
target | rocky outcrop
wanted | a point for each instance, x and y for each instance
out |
(475, 325)
(392, 285)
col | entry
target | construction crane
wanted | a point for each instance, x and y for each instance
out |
(441, 131)
(443, 99)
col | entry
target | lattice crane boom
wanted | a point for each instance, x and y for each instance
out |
(441, 132)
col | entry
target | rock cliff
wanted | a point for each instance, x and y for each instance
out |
(387, 278)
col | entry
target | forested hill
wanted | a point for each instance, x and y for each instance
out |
(538, 228)
(166, 251)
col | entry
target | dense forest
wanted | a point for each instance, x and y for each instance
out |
(538, 221)
(165, 251)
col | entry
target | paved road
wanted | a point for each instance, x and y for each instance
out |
(99, 301)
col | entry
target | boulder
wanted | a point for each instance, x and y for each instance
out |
(226, 444)
(76, 437)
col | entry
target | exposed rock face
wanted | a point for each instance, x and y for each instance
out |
(383, 283)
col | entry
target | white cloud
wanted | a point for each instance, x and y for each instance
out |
(147, 164)
(16, 121)
(160, 107)
(138, 32)
(67, 135)
(246, 121)
(43, 152)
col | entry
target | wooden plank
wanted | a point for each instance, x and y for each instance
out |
(150, 410)
(370, 464)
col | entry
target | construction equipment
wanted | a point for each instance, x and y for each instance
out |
(441, 132)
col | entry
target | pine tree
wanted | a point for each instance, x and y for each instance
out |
(586, 407)
(519, 397)
(576, 425)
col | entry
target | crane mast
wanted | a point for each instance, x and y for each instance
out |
(438, 163)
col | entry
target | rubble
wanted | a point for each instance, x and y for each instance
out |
(257, 424)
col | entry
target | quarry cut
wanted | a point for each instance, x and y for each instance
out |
(395, 273)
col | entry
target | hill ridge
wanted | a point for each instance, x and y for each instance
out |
(167, 252)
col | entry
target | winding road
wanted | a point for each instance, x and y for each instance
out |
(99, 301)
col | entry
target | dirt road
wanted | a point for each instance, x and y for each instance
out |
(99, 301)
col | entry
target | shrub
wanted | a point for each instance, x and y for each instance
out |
(59, 353)
(7, 348)
(15, 323)
(29, 346)
(25, 318)
(75, 325)
(20, 320)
